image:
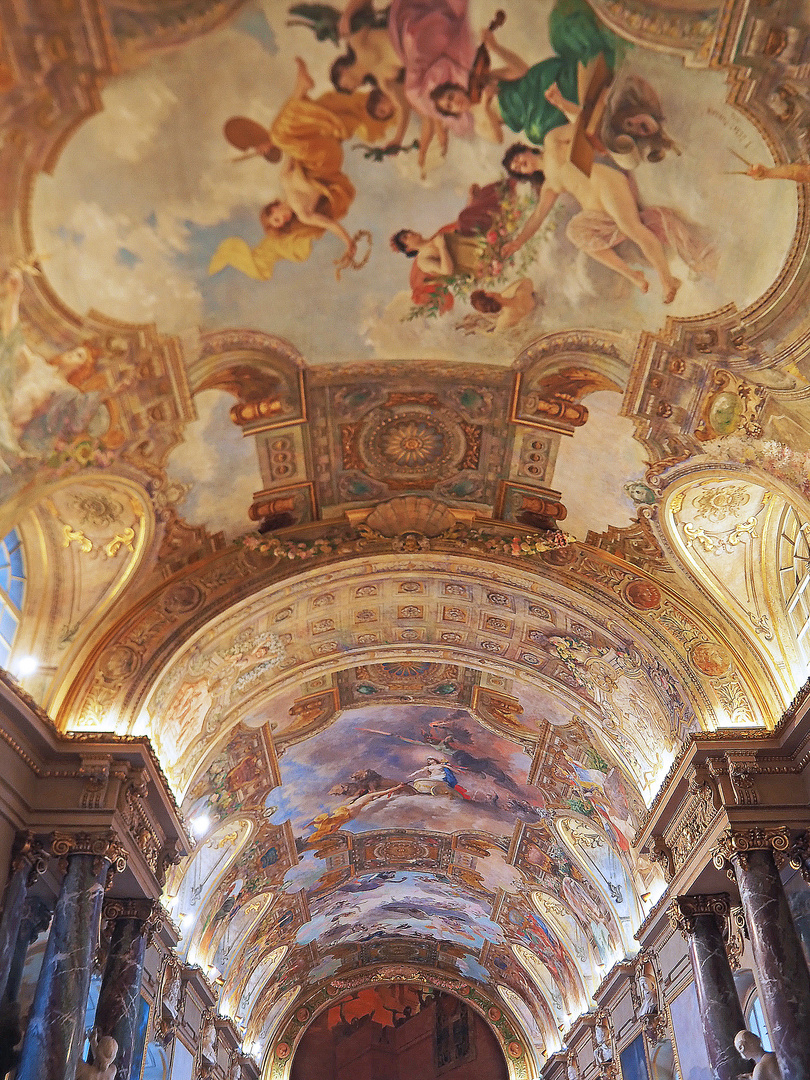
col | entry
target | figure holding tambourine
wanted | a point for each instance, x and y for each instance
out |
(307, 138)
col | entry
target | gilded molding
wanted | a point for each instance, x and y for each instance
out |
(788, 716)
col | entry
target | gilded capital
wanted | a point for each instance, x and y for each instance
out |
(734, 844)
(684, 910)
(800, 855)
(102, 846)
(29, 855)
(115, 908)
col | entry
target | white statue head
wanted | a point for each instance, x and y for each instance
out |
(105, 1051)
(748, 1045)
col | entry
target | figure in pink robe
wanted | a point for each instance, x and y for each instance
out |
(434, 40)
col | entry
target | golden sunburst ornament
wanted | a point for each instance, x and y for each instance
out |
(412, 443)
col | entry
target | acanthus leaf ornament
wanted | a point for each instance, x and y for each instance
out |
(800, 855)
(684, 910)
(28, 853)
(102, 846)
(734, 844)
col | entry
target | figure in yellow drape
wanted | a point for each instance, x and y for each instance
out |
(316, 192)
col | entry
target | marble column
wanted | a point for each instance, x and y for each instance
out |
(35, 919)
(119, 997)
(55, 1033)
(700, 920)
(784, 979)
(28, 860)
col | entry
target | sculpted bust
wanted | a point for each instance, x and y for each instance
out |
(749, 1046)
(104, 1054)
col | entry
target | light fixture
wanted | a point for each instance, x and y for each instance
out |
(200, 825)
(27, 665)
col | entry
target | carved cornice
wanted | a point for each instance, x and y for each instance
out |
(140, 742)
(751, 736)
(734, 844)
(684, 910)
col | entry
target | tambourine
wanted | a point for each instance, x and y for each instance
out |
(248, 135)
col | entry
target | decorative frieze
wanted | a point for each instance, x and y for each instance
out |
(692, 821)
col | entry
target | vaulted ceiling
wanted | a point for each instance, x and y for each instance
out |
(416, 572)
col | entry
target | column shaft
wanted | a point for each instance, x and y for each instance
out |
(55, 1033)
(119, 997)
(13, 907)
(784, 979)
(720, 1013)
(34, 922)
(27, 860)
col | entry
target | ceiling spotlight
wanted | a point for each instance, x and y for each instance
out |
(27, 665)
(200, 825)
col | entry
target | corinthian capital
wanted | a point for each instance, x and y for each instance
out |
(101, 846)
(684, 910)
(734, 844)
(28, 854)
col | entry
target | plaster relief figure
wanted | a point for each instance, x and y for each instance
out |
(749, 1046)
(208, 1042)
(647, 993)
(171, 991)
(603, 1051)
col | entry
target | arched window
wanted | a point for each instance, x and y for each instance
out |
(12, 590)
(794, 574)
(755, 1021)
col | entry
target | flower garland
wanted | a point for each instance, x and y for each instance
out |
(528, 544)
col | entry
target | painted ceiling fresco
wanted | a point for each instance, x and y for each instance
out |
(403, 424)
